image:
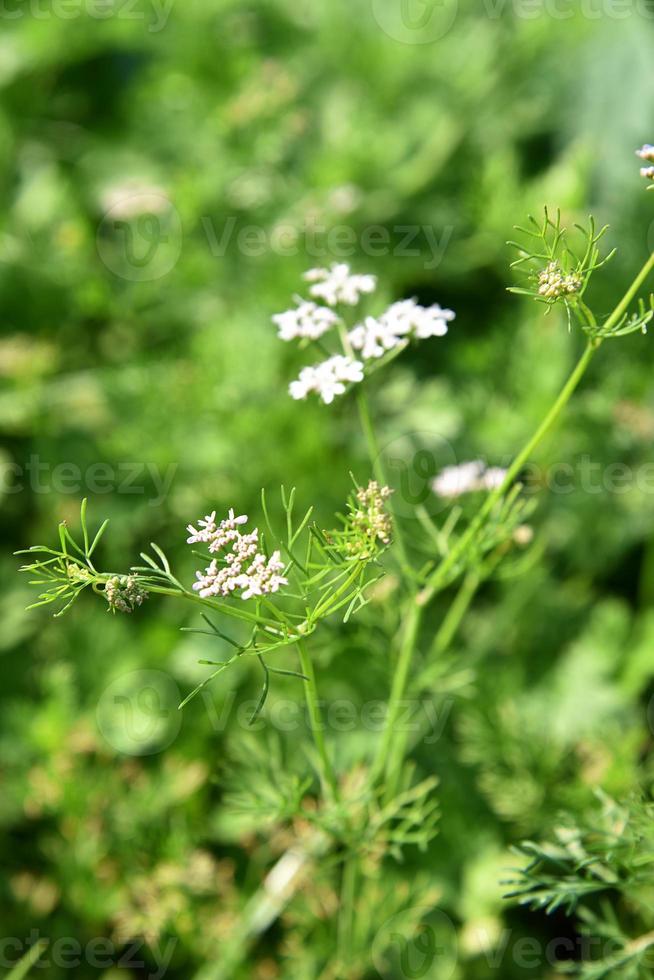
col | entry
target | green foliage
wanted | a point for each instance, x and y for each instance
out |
(599, 870)
(289, 117)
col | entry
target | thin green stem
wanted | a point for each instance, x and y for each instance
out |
(378, 467)
(398, 688)
(626, 300)
(442, 641)
(391, 748)
(326, 770)
(346, 910)
(439, 576)
(457, 610)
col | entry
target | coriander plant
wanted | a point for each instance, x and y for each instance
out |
(268, 588)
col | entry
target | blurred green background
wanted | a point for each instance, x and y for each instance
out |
(167, 172)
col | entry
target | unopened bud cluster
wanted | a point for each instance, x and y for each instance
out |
(553, 282)
(124, 594)
(369, 521)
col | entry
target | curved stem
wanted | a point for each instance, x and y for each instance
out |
(439, 576)
(391, 748)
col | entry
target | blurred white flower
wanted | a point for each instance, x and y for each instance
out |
(339, 285)
(404, 319)
(373, 337)
(454, 481)
(306, 320)
(328, 378)
(130, 198)
(242, 567)
(493, 478)
(646, 152)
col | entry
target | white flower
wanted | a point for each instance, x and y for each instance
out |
(241, 567)
(454, 481)
(647, 172)
(339, 285)
(646, 152)
(406, 318)
(432, 321)
(409, 317)
(216, 536)
(327, 379)
(493, 478)
(306, 320)
(133, 197)
(373, 337)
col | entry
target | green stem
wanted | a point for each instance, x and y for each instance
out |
(327, 775)
(398, 688)
(346, 910)
(378, 467)
(442, 641)
(456, 612)
(626, 300)
(439, 577)
(391, 747)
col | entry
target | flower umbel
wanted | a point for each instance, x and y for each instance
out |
(306, 320)
(123, 593)
(367, 525)
(454, 481)
(372, 338)
(402, 320)
(339, 285)
(327, 379)
(241, 568)
(554, 283)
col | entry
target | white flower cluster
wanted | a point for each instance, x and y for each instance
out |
(328, 378)
(402, 320)
(454, 481)
(339, 285)
(242, 567)
(306, 320)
